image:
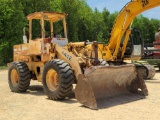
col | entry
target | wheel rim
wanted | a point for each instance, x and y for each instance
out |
(14, 77)
(52, 80)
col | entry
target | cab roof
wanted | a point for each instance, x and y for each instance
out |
(51, 16)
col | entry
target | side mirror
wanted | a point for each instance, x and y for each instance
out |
(24, 36)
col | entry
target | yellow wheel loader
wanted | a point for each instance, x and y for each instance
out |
(97, 69)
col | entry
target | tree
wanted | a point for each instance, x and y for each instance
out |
(147, 27)
(106, 30)
(11, 32)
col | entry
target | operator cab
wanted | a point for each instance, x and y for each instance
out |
(48, 19)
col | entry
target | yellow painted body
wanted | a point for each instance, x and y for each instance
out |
(40, 50)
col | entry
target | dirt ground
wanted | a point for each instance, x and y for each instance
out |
(34, 105)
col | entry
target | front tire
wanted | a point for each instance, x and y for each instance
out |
(18, 77)
(57, 79)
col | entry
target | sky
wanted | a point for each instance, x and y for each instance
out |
(117, 5)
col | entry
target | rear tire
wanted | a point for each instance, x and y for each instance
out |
(57, 79)
(19, 77)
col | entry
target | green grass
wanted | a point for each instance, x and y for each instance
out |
(3, 67)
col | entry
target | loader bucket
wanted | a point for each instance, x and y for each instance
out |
(100, 84)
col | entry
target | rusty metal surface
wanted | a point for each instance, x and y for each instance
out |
(99, 85)
(95, 52)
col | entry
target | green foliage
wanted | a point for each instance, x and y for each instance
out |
(3, 67)
(147, 27)
(83, 23)
(11, 24)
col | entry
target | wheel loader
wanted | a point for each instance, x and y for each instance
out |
(98, 69)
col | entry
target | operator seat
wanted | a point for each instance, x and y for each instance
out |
(60, 41)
